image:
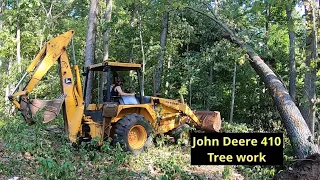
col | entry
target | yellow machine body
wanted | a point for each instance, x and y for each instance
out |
(99, 120)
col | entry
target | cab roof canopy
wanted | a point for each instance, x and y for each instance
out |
(117, 66)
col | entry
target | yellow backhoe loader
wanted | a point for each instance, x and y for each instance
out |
(129, 120)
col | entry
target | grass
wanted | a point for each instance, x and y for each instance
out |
(32, 152)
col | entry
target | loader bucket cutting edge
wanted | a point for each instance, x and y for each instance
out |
(210, 120)
(30, 109)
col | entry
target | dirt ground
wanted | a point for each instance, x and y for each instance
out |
(307, 169)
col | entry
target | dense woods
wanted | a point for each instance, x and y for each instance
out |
(254, 61)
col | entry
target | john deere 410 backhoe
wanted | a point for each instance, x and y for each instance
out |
(129, 120)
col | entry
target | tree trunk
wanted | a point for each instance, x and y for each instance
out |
(9, 90)
(309, 94)
(262, 96)
(143, 56)
(161, 54)
(267, 22)
(211, 74)
(169, 67)
(211, 83)
(131, 72)
(18, 44)
(233, 91)
(216, 7)
(190, 93)
(106, 36)
(131, 55)
(2, 8)
(189, 71)
(297, 129)
(106, 32)
(292, 60)
(90, 46)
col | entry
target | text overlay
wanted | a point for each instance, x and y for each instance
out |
(236, 148)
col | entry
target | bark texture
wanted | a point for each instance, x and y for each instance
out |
(297, 129)
(106, 36)
(106, 33)
(2, 6)
(309, 93)
(161, 54)
(18, 40)
(133, 23)
(233, 91)
(292, 60)
(90, 46)
(143, 55)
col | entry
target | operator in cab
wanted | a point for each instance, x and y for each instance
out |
(117, 91)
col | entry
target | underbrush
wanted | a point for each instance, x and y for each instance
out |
(262, 171)
(33, 152)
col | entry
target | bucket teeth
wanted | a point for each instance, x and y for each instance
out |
(210, 120)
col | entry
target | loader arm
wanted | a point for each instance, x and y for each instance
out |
(71, 99)
(209, 121)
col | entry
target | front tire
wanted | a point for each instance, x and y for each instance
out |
(134, 133)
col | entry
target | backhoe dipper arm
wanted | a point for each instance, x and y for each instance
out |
(50, 53)
(53, 51)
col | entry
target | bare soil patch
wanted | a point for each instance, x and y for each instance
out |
(306, 169)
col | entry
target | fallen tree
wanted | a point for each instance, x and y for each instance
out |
(297, 129)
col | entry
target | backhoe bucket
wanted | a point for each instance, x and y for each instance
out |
(32, 106)
(210, 120)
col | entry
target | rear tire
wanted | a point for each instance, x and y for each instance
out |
(134, 133)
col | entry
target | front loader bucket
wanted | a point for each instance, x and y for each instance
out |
(210, 120)
(32, 106)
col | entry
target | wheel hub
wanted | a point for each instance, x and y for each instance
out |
(137, 137)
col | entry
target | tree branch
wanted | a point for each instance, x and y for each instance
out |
(294, 122)
(224, 26)
(210, 9)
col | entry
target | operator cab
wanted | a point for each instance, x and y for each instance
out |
(107, 73)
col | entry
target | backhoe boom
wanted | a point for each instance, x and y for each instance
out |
(52, 52)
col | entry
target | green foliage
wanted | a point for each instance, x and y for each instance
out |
(51, 156)
(226, 173)
(258, 172)
(198, 64)
(198, 60)
(50, 169)
(231, 128)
